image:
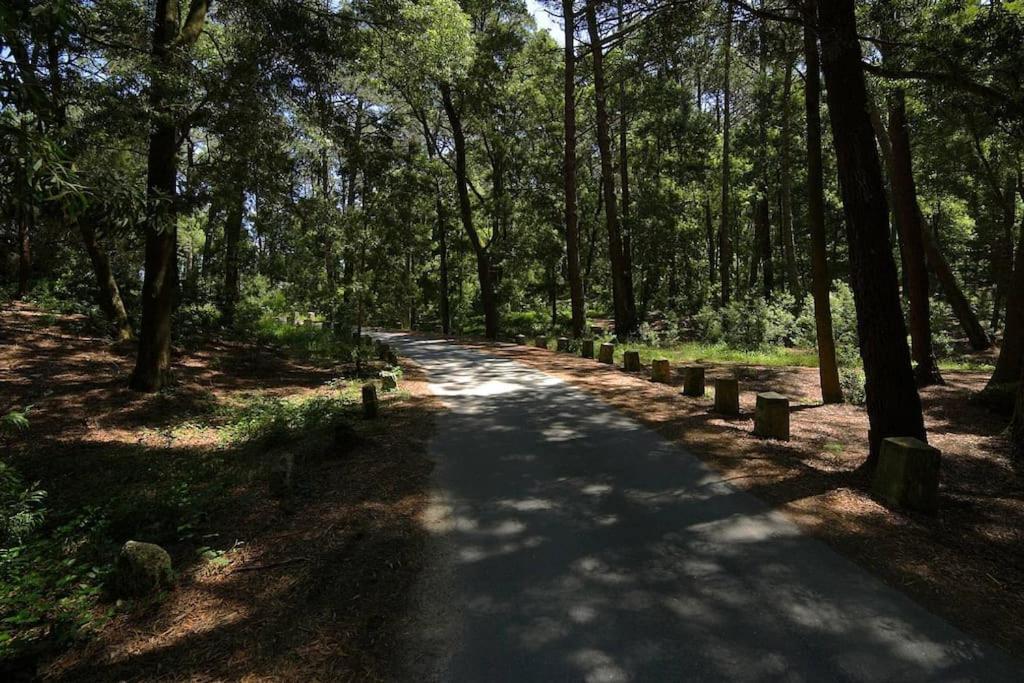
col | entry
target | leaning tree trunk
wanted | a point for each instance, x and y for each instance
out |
(724, 230)
(572, 228)
(625, 310)
(821, 283)
(483, 261)
(107, 292)
(893, 404)
(153, 362)
(904, 195)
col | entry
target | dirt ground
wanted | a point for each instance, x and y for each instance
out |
(308, 587)
(966, 563)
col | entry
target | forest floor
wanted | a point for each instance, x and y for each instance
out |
(308, 586)
(965, 564)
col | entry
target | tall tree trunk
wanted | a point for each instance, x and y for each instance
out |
(572, 230)
(107, 292)
(893, 404)
(232, 239)
(725, 231)
(788, 240)
(24, 253)
(483, 261)
(1002, 252)
(1017, 425)
(626, 217)
(821, 282)
(762, 215)
(1011, 353)
(625, 310)
(763, 231)
(709, 231)
(161, 259)
(904, 194)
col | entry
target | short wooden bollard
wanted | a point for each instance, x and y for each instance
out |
(771, 416)
(607, 354)
(541, 342)
(367, 340)
(597, 330)
(587, 348)
(631, 361)
(369, 401)
(907, 475)
(661, 371)
(356, 339)
(693, 381)
(727, 396)
(563, 345)
(521, 339)
(383, 351)
(282, 476)
(389, 381)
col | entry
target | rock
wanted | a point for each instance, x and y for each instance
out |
(771, 416)
(541, 342)
(369, 401)
(693, 381)
(587, 350)
(141, 569)
(389, 381)
(563, 345)
(907, 475)
(607, 354)
(727, 396)
(281, 476)
(521, 339)
(631, 361)
(661, 371)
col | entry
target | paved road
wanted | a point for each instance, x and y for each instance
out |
(575, 544)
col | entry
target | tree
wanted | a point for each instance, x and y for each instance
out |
(893, 404)
(821, 283)
(724, 229)
(572, 230)
(171, 40)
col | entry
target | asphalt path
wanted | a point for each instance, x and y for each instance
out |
(571, 543)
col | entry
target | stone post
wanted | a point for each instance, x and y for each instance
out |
(631, 361)
(771, 416)
(661, 371)
(607, 354)
(907, 475)
(727, 396)
(369, 401)
(588, 348)
(693, 381)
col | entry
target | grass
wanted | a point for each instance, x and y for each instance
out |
(692, 352)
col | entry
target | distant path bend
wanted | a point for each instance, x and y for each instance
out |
(574, 544)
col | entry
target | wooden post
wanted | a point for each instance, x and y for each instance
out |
(661, 371)
(907, 475)
(597, 330)
(631, 361)
(771, 416)
(693, 381)
(541, 342)
(727, 396)
(521, 339)
(563, 345)
(607, 354)
(587, 350)
(369, 401)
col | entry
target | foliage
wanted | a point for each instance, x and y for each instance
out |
(750, 323)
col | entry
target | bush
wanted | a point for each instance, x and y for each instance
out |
(21, 507)
(749, 324)
(844, 319)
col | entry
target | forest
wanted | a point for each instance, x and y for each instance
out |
(832, 189)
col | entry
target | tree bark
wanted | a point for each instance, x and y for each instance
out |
(153, 362)
(821, 282)
(24, 253)
(108, 294)
(1017, 425)
(1011, 353)
(724, 231)
(786, 222)
(893, 404)
(232, 239)
(483, 261)
(625, 309)
(572, 229)
(626, 217)
(904, 195)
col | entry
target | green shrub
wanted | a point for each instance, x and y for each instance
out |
(751, 323)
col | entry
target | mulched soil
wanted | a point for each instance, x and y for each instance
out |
(311, 587)
(966, 563)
